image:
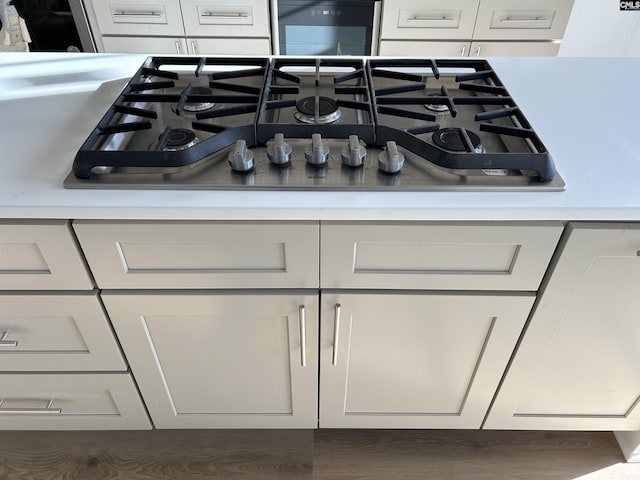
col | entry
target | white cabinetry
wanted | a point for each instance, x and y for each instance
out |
(577, 365)
(187, 27)
(52, 321)
(474, 28)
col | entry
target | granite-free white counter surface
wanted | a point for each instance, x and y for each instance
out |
(586, 110)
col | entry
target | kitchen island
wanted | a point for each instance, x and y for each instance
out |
(476, 262)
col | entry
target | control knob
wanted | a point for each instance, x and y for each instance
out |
(241, 158)
(318, 153)
(278, 151)
(353, 155)
(390, 159)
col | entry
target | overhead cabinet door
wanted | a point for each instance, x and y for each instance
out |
(224, 360)
(577, 366)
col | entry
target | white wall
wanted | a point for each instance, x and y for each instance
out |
(598, 28)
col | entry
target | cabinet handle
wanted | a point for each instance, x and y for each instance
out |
(178, 48)
(419, 18)
(463, 50)
(136, 14)
(524, 20)
(225, 15)
(336, 333)
(31, 411)
(7, 343)
(193, 47)
(303, 335)
(478, 50)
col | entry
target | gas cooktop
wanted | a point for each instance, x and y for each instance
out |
(314, 124)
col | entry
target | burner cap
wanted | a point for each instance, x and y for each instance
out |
(180, 139)
(436, 107)
(328, 110)
(196, 107)
(451, 139)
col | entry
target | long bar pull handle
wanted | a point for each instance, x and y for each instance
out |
(463, 50)
(193, 47)
(478, 50)
(429, 18)
(7, 343)
(303, 335)
(524, 20)
(31, 411)
(336, 333)
(225, 15)
(178, 48)
(124, 13)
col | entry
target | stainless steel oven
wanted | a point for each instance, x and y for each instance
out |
(327, 27)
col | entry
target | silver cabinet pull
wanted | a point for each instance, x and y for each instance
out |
(30, 411)
(336, 333)
(478, 50)
(178, 47)
(303, 335)
(193, 47)
(225, 15)
(136, 14)
(524, 20)
(7, 343)
(428, 18)
(463, 50)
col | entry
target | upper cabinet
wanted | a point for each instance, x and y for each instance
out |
(474, 27)
(197, 27)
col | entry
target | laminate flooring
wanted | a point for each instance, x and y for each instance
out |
(313, 455)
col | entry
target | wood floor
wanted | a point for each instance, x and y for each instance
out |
(313, 455)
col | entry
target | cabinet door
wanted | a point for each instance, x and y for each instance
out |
(414, 361)
(56, 332)
(229, 46)
(531, 20)
(424, 48)
(226, 18)
(41, 255)
(201, 254)
(96, 401)
(428, 19)
(514, 49)
(138, 17)
(436, 256)
(149, 45)
(577, 366)
(222, 360)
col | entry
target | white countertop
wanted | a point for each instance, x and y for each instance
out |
(586, 111)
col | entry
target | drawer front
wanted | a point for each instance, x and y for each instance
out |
(182, 255)
(56, 333)
(225, 18)
(431, 19)
(229, 46)
(514, 49)
(142, 17)
(436, 256)
(71, 402)
(416, 48)
(533, 20)
(148, 45)
(41, 256)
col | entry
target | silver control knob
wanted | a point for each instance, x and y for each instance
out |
(390, 159)
(278, 151)
(353, 154)
(318, 153)
(241, 158)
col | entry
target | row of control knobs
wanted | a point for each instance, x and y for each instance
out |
(390, 160)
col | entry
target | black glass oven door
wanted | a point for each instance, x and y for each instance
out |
(309, 27)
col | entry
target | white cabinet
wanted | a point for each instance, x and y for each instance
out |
(414, 360)
(577, 365)
(222, 360)
(473, 28)
(196, 27)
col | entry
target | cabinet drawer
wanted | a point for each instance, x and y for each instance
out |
(148, 45)
(142, 17)
(226, 18)
(533, 20)
(436, 256)
(56, 333)
(70, 402)
(229, 46)
(416, 48)
(430, 19)
(201, 255)
(514, 49)
(40, 256)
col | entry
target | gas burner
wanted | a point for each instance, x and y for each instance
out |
(197, 107)
(451, 139)
(436, 107)
(328, 110)
(180, 139)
